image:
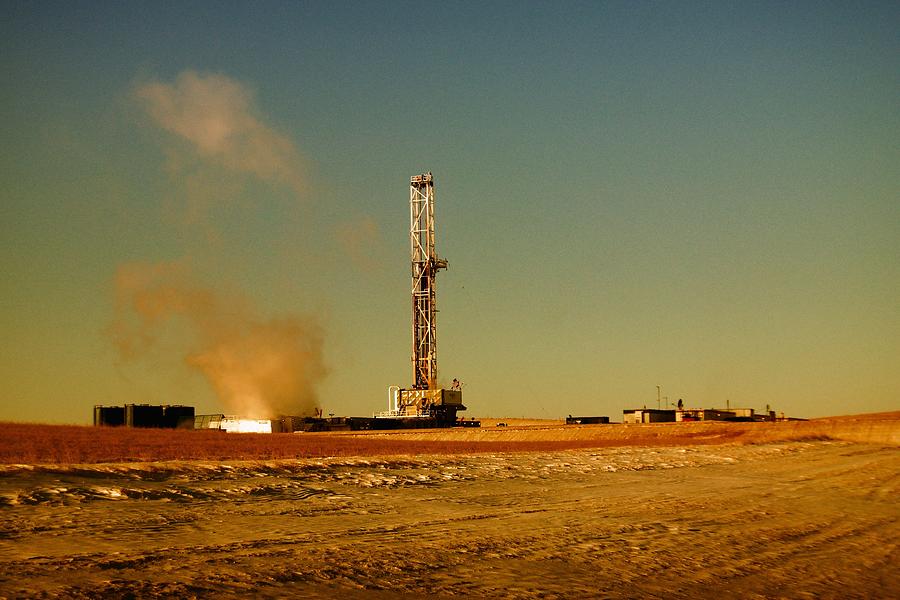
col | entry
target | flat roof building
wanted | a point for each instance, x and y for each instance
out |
(648, 415)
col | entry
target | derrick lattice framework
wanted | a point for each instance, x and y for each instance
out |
(425, 265)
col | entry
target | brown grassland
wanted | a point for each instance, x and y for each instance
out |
(29, 443)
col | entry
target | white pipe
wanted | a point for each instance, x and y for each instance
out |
(393, 397)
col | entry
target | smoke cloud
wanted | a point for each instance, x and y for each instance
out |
(216, 116)
(216, 141)
(257, 367)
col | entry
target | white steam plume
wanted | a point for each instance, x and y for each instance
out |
(217, 117)
(257, 367)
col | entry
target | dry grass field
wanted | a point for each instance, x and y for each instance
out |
(49, 444)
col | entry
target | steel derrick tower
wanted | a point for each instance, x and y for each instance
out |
(424, 403)
(425, 265)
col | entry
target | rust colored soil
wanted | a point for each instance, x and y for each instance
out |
(42, 444)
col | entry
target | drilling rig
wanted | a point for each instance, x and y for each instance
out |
(425, 399)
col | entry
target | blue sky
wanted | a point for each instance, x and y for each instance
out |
(701, 196)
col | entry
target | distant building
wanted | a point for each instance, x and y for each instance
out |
(685, 415)
(715, 414)
(109, 416)
(703, 414)
(570, 420)
(160, 416)
(292, 424)
(232, 424)
(240, 425)
(208, 421)
(648, 415)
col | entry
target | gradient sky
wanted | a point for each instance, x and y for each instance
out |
(701, 196)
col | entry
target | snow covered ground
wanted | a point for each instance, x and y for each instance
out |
(797, 519)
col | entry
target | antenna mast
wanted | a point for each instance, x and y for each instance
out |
(425, 265)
